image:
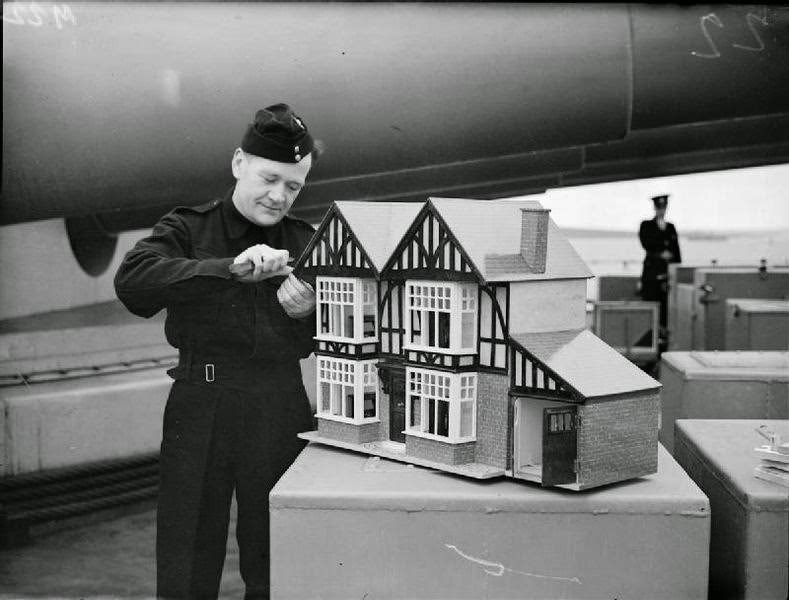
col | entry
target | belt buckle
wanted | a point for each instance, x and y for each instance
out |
(209, 372)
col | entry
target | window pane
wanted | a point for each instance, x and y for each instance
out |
(467, 330)
(431, 416)
(431, 328)
(336, 395)
(466, 419)
(568, 422)
(336, 320)
(324, 318)
(325, 404)
(369, 326)
(416, 412)
(347, 311)
(442, 417)
(369, 310)
(349, 402)
(369, 404)
(443, 330)
(416, 328)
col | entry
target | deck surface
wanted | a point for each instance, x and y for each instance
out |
(109, 559)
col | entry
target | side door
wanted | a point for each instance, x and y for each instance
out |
(559, 445)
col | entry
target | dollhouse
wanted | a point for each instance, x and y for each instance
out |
(452, 334)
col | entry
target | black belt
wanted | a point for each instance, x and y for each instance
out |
(232, 372)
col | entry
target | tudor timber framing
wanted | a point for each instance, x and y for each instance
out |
(499, 323)
(343, 349)
(335, 250)
(534, 378)
(429, 250)
(440, 361)
(390, 308)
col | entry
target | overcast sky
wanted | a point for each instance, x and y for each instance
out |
(736, 199)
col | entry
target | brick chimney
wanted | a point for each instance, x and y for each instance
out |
(534, 237)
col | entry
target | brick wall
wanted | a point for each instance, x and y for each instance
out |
(435, 450)
(617, 439)
(493, 419)
(534, 238)
(348, 432)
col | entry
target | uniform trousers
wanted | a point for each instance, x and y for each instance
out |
(656, 290)
(219, 438)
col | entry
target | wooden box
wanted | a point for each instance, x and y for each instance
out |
(345, 525)
(722, 385)
(757, 324)
(618, 287)
(697, 308)
(629, 327)
(749, 550)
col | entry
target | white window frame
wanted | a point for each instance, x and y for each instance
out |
(426, 384)
(454, 298)
(360, 294)
(356, 374)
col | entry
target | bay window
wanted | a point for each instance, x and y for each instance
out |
(441, 405)
(441, 316)
(347, 390)
(347, 309)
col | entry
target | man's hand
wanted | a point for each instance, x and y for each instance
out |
(260, 262)
(296, 297)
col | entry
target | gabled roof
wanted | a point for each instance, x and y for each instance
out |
(588, 365)
(378, 226)
(489, 229)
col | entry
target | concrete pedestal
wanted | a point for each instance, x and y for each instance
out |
(344, 525)
(722, 385)
(749, 550)
(79, 421)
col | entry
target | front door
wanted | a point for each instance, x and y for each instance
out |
(559, 445)
(397, 405)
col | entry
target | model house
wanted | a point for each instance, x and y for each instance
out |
(452, 335)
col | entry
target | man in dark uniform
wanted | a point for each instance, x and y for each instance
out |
(241, 322)
(659, 239)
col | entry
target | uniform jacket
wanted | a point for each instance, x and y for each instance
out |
(654, 242)
(183, 267)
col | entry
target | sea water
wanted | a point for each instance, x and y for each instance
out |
(617, 253)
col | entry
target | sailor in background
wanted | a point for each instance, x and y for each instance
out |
(659, 240)
(241, 321)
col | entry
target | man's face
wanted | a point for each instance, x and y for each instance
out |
(266, 189)
(660, 212)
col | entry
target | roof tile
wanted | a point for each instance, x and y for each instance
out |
(586, 362)
(379, 226)
(490, 232)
